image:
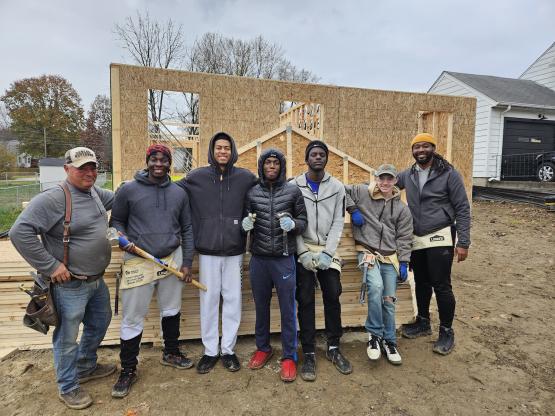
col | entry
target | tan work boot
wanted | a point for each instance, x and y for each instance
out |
(76, 399)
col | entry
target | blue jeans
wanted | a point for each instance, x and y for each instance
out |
(79, 301)
(382, 282)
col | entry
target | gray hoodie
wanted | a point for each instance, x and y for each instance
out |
(388, 223)
(154, 216)
(441, 203)
(325, 213)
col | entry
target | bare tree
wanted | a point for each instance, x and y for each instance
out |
(155, 45)
(257, 58)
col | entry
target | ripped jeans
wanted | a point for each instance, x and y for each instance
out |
(382, 283)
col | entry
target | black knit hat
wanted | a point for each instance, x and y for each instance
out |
(312, 145)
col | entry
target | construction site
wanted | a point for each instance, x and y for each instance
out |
(503, 362)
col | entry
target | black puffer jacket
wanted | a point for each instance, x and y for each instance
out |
(266, 200)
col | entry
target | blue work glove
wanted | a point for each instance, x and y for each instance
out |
(286, 223)
(324, 261)
(403, 271)
(248, 223)
(306, 259)
(357, 218)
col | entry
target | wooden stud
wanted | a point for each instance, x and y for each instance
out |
(289, 151)
(116, 126)
(449, 146)
(346, 170)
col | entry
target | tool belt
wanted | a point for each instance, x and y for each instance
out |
(439, 238)
(137, 271)
(40, 312)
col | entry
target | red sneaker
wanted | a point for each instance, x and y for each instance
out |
(259, 359)
(288, 370)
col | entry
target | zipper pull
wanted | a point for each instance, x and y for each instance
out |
(221, 177)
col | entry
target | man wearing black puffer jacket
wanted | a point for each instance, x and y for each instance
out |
(280, 216)
(217, 196)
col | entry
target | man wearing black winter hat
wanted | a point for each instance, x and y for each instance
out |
(154, 213)
(324, 198)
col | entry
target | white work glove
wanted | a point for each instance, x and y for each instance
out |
(286, 223)
(248, 223)
(307, 261)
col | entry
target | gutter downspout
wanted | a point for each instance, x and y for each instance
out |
(500, 147)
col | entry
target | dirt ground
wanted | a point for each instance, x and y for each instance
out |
(504, 361)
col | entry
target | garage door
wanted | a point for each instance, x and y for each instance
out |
(528, 136)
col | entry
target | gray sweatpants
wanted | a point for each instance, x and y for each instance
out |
(136, 301)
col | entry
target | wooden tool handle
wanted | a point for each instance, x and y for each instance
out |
(161, 264)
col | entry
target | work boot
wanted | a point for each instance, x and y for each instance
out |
(308, 369)
(259, 359)
(101, 370)
(177, 360)
(373, 350)
(206, 364)
(230, 362)
(445, 342)
(420, 327)
(76, 399)
(288, 371)
(126, 379)
(339, 360)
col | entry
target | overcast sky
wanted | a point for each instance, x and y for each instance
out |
(382, 44)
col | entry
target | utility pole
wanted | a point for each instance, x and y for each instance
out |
(44, 135)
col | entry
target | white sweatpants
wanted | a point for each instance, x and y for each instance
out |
(222, 276)
(136, 301)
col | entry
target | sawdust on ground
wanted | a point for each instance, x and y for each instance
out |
(504, 361)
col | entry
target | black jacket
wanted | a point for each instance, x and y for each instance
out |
(266, 201)
(442, 202)
(216, 201)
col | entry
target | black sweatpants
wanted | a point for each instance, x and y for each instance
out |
(330, 284)
(432, 272)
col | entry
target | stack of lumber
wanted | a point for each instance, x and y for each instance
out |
(14, 271)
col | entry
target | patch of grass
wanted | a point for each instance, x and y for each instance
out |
(8, 217)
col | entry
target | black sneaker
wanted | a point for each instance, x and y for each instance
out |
(126, 379)
(445, 342)
(206, 364)
(230, 362)
(308, 369)
(179, 360)
(419, 328)
(341, 363)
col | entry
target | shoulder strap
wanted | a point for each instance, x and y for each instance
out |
(67, 220)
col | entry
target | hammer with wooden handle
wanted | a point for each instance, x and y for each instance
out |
(140, 252)
(248, 247)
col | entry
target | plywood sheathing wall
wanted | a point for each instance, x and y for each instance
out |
(374, 126)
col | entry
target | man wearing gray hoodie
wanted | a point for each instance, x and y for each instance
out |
(382, 229)
(152, 212)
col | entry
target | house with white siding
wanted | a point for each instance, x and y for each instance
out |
(515, 117)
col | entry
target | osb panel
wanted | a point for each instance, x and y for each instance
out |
(373, 126)
(357, 174)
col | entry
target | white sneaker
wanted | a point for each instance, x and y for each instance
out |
(391, 352)
(373, 350)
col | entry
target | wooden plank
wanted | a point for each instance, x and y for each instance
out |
(116, 125)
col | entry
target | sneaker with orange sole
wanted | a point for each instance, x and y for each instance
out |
(259, 359)
(288, 370)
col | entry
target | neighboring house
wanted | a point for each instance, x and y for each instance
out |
(513, 116)
(51, 171)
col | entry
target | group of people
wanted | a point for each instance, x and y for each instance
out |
(292, 228)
